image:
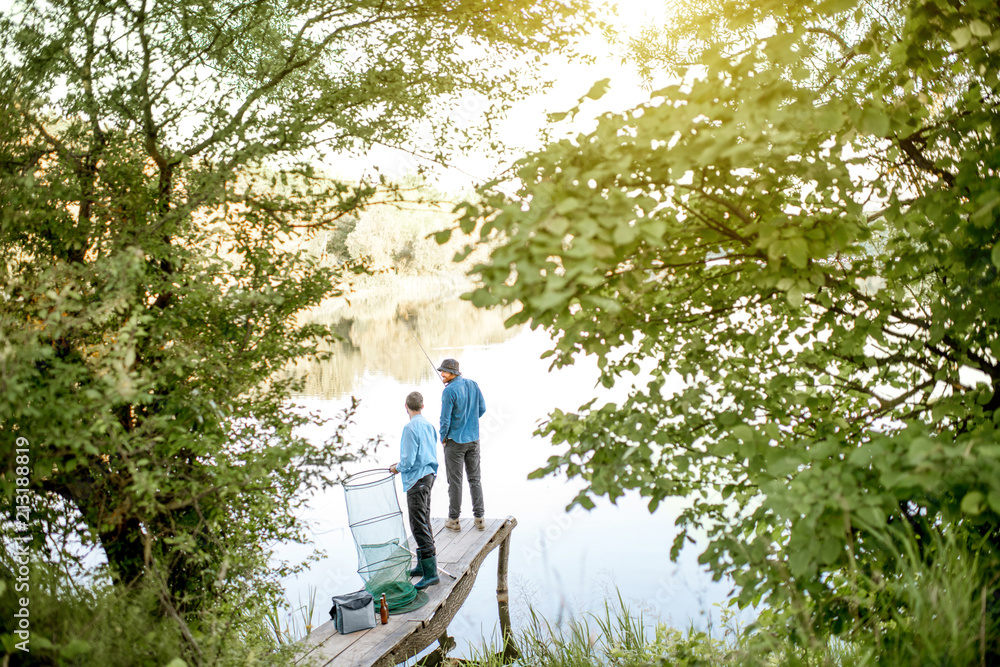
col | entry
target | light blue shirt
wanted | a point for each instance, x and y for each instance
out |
(417, 451)
(462, 405)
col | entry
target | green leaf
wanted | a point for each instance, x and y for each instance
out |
(567, 205)
(606, 304)
(550, 299)
(624, 235)
(874, 121)
(481, 298)
(831, 548)
(801, 564)
(598, 90)
(983, 216)
(467, 223)
(993, 498)
(836, 6)
(873, 517)
(795, 297)
(74, 649)
(980, 28)
(961, 37)
(972, 503)
(798, 253)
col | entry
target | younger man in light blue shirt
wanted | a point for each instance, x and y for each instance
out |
(418, 466)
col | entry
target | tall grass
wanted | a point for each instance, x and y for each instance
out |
(937, 609)
(289, 624)
(619, 637)
(615, 636)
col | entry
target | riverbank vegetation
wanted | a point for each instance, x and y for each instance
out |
(935, 612)
(790, 257)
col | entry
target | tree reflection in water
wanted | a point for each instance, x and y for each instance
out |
(377, 341)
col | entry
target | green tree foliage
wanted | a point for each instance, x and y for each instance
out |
(155, 158)
(795, 247)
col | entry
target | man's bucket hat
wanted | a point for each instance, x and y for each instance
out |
(450, 366)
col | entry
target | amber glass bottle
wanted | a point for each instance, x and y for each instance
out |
(383, 610)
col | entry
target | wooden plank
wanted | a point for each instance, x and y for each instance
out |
(446, 543)
(320, 635)
(492, 543)
(452, 535)
(333, 646)
(408, 634)
(469, 539)
(373, 653)
(437, 526)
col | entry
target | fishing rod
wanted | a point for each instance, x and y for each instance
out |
(414, 334)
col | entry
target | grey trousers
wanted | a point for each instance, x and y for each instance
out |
(459, 456)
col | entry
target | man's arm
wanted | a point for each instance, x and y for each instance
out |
(447, 400)
(407, 451)
(482, 402)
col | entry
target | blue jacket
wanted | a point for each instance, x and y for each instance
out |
(462, 405)
(417, 451)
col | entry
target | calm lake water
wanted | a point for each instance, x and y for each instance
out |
(563, 565)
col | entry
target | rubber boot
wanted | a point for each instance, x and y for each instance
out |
(430, 568)
(417, 571)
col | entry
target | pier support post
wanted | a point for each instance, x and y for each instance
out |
(510, 652)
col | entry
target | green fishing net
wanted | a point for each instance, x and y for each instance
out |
(384, 556)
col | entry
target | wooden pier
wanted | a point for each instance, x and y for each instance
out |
(406, 635)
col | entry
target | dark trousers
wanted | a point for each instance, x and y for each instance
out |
(418, 503)
(459, 457)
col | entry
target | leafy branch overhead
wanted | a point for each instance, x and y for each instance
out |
(156, 158)
(795, 247)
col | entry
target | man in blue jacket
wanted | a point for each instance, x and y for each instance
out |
(462, 405)
(418, 466)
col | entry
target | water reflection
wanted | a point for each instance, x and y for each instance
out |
(383, 330)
